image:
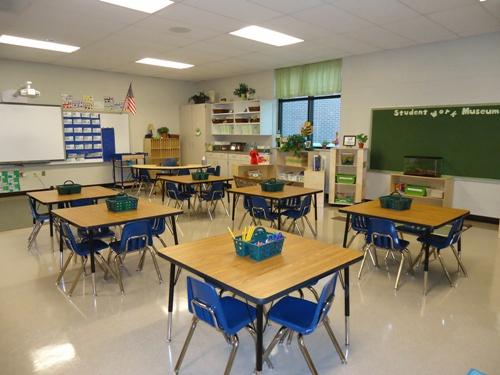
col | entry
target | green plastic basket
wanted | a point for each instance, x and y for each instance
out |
(256, 252)
(122, 202)
(69, 187)
(395, 201)
(272, 185)
(199, 176)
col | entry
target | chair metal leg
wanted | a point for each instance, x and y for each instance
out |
(277, 338)
(140, 266)
(235, 343)
(444, 269)
(367, 250)
(63, 269)
(105, 266)
(396, 285)
(298, 228)
(290, 227)
(225, 208)
(77, 278)
(290, 337)
(417, 259)
(459, 260)
(305, 353)
(177, 274)
(341, 279)
(153, 255)
(252, 333)
(117, 260)
(314, 292)
(178, 365)
(242, 219)
(335, 343)
(314, 232)
(352, 239)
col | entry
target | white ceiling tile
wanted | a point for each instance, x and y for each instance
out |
(142, 37)
(295, 27)
(379, 12)
(492, 7)
(432, 6)
(421, 29)
(351, 45)
(227, 41)
(28, 54)
(288, 6)
(332, 18)
(241, 10)
(211, 47)
(380, 37)
(308, 52)
(467, 21)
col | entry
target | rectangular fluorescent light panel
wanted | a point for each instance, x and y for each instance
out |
(146, 6)
(164, 63)
(263, 35)
(40, 44)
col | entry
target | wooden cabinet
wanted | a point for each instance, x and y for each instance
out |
(438, 190)
(160, 149)
(194, 131)
(347, 175)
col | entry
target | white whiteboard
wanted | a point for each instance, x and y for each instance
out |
(118, 121)
(30, 133)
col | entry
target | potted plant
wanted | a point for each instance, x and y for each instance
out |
(361, 138)
(324, 144)
(163, 132)
(199, 98)
(243, 91)
(296, 145)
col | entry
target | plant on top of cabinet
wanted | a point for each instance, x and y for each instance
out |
(163, 132)
(199, 98)
(362, 138)
(244, 92)
(294, 143)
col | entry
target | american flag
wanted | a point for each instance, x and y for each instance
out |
(129, 103)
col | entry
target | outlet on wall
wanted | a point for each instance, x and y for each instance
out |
(43, 173)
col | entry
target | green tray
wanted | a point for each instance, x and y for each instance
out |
(395, 201)
(345, 178)
(122, 202)
(69, 187)
(272, 185)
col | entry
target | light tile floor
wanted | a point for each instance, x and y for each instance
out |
(447, 332)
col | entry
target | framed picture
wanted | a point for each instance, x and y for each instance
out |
(349, 140)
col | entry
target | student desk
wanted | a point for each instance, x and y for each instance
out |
(430, 217)
(97, 215)
(51, 197)
(154, 167)
(188, 180)
(302, 262)
(287, 193)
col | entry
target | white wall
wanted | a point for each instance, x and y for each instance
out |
(454, 72)
(158, 101)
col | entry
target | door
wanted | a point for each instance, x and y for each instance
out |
(193, 130)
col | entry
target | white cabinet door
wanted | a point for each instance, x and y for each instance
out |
(218, 159)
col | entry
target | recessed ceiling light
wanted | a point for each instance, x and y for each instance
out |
(40, 44)
(147, 6)
(164, 63)
(263, 35)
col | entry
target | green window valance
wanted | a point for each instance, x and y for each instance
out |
(309, 80)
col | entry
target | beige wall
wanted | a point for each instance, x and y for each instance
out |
(157, 99)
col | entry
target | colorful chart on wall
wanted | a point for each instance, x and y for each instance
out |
(9, 181)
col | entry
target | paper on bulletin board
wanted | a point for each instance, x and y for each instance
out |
(9, 181)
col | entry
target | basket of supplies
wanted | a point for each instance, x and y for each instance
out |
(122, 202)
(199, 176)
(395, 201)
(69, 187)
(272, 185)
(259, 244)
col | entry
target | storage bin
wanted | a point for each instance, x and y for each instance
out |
(342, 178)
(395, 201)
(272, 185)
(69, 187)
(199, 176)
(122, 202)
(416, 190)
(429, 166)
(257, 248)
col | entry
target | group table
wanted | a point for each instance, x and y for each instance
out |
(96, 216)
(288, 192)
(425, 216)
(52, 197)
(302, 262)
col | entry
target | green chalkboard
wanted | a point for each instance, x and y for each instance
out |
(467, 137)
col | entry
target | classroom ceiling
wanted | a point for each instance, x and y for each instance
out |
(112, 38)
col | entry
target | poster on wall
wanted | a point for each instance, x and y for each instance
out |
(9, 181)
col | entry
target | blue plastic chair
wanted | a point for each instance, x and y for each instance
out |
(382, 234)
(300, 213)
(227, 315)
(179, 197)
(82, 250)
(142, 177)
(38, 220)
(214, 171)
(303, 316)
(247, 206)
(260, 210)
(212, 196)
(136, 236)
(437, 243)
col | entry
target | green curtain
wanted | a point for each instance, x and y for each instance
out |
(309, 80)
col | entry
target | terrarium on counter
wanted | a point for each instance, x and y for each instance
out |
(428, 166)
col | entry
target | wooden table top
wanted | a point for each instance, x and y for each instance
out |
(188, 179)
(88, 192)
(418, 214)
(302, 261)
(288, 192)
(154, 167)
(98, 215)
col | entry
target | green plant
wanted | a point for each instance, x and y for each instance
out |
(324, 144)
(294, 143)
(243, 90)
(163, 130)
(362, 138)
(199, 98)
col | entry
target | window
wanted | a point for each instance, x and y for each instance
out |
(323, 111)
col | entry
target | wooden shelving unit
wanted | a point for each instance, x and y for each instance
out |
(439, 189)
(161, 149)
(347, 193)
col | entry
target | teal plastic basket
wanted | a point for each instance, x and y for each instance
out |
(122, 202)
(258, 252)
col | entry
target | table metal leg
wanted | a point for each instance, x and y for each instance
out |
(426, 267)
(61, 249)
(346, 229)
(162, 191)
(174, 230)
(171, 287)
(51, 221)
(347, 308)
(279, 213)
(234, 208)
(259, 342)
(92, 261)
(316, 212)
